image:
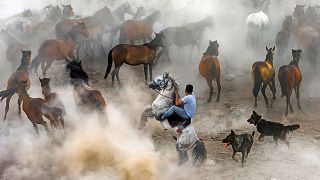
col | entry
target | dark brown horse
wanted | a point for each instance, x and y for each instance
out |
(87, 99)
(58, 49)
(283, 37)
(35, 108)
(209, 68)
(307, 37)
(263, 75)
(12, 86)
(52, 100)
(290, 78)
(134, 55)
(133, 30)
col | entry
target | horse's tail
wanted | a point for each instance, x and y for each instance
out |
(123, 37)
(282, 76)
(35, 64)
(6, 93)
(256, 77)
(213, 71)
(109, 63)
(199, 153)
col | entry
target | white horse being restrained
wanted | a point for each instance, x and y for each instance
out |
(165, 86)
(256, 24)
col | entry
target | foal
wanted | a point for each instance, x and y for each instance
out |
(21, 74)
(52, 100)
(290, 77)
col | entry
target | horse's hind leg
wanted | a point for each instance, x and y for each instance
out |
(7, 106)
(298, 95)
(145, 69)
(44, 124)
(209, 82)
(263, 91)
(182, 155)
(150, 70)
(19, 106)
(219, 89)
(256, 90)
(273, 88)
(115, 72)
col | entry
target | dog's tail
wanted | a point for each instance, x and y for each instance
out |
(6, 93)
(291, 127)
(109, 64)
(199, 154)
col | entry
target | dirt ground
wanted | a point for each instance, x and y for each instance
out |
(214, 121)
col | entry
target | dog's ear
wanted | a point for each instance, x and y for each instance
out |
(232, 132)
(259, 117)
(253, 112)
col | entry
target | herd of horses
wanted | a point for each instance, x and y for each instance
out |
(73, 35)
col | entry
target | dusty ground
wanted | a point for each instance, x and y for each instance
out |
(213, 122)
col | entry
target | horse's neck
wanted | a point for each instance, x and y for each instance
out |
(269, 61)
(119, 13)
(46, 91)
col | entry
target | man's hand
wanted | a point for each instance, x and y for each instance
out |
(178, 99)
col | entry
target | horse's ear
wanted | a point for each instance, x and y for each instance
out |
(274, 48)
(267, 48)
(210, 41)
(49, 78)
(80, 62)
(232, 132)
(40, 79)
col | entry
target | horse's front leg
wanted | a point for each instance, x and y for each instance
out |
(144, 117)
(145, 68)
(150, 70)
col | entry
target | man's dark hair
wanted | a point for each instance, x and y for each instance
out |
(189, 88)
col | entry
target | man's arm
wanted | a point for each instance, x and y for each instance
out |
(179, 102)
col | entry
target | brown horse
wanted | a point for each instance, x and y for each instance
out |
(209, 68)
(35, 108)
(12, 86)
(52, 99)
(263, 73)
(133, 55)
(58, 49)
(133, 30)
(290, 78)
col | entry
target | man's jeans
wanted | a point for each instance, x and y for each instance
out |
(181, 112)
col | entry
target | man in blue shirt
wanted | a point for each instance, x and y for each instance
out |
(188, 102)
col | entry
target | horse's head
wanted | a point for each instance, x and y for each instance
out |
(44, 82)
(287, 21)
(213, 48)
(163, 82)
(270, 53)
(299, 11)
(296, 55)
(68, 11)
(127, 8)
(27, 13)
(26, 57)
(158, 41)
(82, 29)
(140, 12)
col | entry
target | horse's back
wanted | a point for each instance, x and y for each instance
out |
(206, 64)
(137, 29)
(64, 26)
(265, 70)
(132, 54)
(53, 48)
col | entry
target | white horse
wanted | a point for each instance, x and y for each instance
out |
(256, 24)
(188, 139)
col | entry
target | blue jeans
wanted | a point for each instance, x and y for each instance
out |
(181, 112)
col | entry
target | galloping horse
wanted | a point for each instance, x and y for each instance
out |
(256, 24)
(52, 100)
(290, 77)
(21, 74)
(133, 55)
(138, 29)
(165, 86)
(263, 73)
(307, 36)
(35, 108)
(189, 34)
(209, 68)
(283, 37)
(87, 99)
(58, 49)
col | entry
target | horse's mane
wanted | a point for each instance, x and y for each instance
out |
(152, 17)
